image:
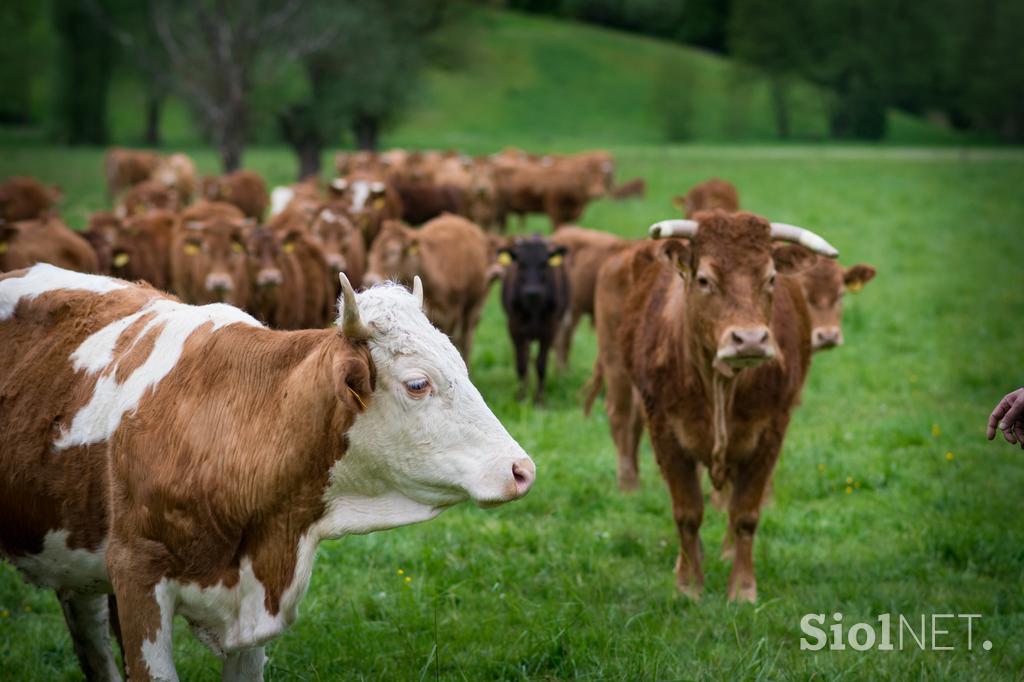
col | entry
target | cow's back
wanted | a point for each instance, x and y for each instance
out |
(454, 258)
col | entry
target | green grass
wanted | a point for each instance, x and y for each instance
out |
(576, 580)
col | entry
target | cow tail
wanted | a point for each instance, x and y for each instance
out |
(592, 388)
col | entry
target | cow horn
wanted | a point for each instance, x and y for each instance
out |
(417, 290)
(673, 228)
(351, 325)
(806, 238)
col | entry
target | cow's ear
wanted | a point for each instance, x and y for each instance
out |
(56, 194)
(413, 247)
(355, 378)
(679, 202)
(676, 253)
(856, 276)
(792, 258)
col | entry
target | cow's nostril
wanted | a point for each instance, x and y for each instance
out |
(737, 337)
(764, 336)
(523, 471)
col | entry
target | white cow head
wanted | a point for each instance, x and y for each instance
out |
(427, 440)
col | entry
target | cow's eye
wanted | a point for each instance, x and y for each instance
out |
(417, 387)
(770, 284)
(704, 282)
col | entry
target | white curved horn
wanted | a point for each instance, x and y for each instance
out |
(806, 238)
(417, 290)
(673, 228)
(351, 325)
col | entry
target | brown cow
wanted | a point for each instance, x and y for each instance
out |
(369, 201)
(146, 196)
(190, 461)
(244, 189)
(716, 337)
(177, 172)
(48, 240)
(708, 195)
(101, 233)
(140, 249)
(125, 168)
(25, 198)
(292, 285)
(452, 255)
(342, 244)
(637, 187)
(558, 192)
(208, 256)
(824, 286)
(587, 251)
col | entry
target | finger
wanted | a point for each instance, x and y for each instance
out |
(1009, 435)
(1018, 430)
(997, 414)
(1016, 412)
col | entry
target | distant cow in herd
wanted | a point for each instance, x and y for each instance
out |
(535, 294)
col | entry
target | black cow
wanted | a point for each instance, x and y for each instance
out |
(535, 295)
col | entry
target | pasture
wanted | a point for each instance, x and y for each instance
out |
(887, 498)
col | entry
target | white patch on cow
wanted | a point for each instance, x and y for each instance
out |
(280, 198)
(360, 193)
(43, 278)
(88, 617)
(158, 653)
(232, 619)
(410, 459)
(172, 323)
(58, 566)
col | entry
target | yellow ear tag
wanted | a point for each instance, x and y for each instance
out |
(236, 247)
(191, 249)
(504, 258)
(121, 260)
(854, 287)
(289, 247)
(378, 202)
(555, 260)
(3, 248)
(413, 250)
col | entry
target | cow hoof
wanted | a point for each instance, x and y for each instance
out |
(628, 484)
(689, 590)
(743, 595)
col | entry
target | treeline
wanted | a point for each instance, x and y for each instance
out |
(315, 71)
(958, 62)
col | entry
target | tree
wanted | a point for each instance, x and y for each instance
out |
(219, 51)
(85, 60)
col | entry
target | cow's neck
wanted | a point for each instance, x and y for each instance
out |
(718, 382)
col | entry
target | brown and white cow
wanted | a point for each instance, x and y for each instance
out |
(48, 240)
(25, 198)
(177, 172)
(715, 334)
(452, 256)
(208, 255)
(342, 243)
(190, 461)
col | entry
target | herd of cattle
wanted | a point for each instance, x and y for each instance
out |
(186, 457)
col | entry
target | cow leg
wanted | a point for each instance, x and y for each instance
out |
(744, 515)
(522, 366)
(469, 324)
(563, 339)
(626, 424)
(244, 665)
(542, 369)
(680, 473)
(87, 618)
(146, 615)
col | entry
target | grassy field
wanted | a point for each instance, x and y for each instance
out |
(887, 497)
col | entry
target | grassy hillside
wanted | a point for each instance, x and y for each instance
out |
(576, 580)
(549, 84)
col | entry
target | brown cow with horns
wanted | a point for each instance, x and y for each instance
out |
(716, 337)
